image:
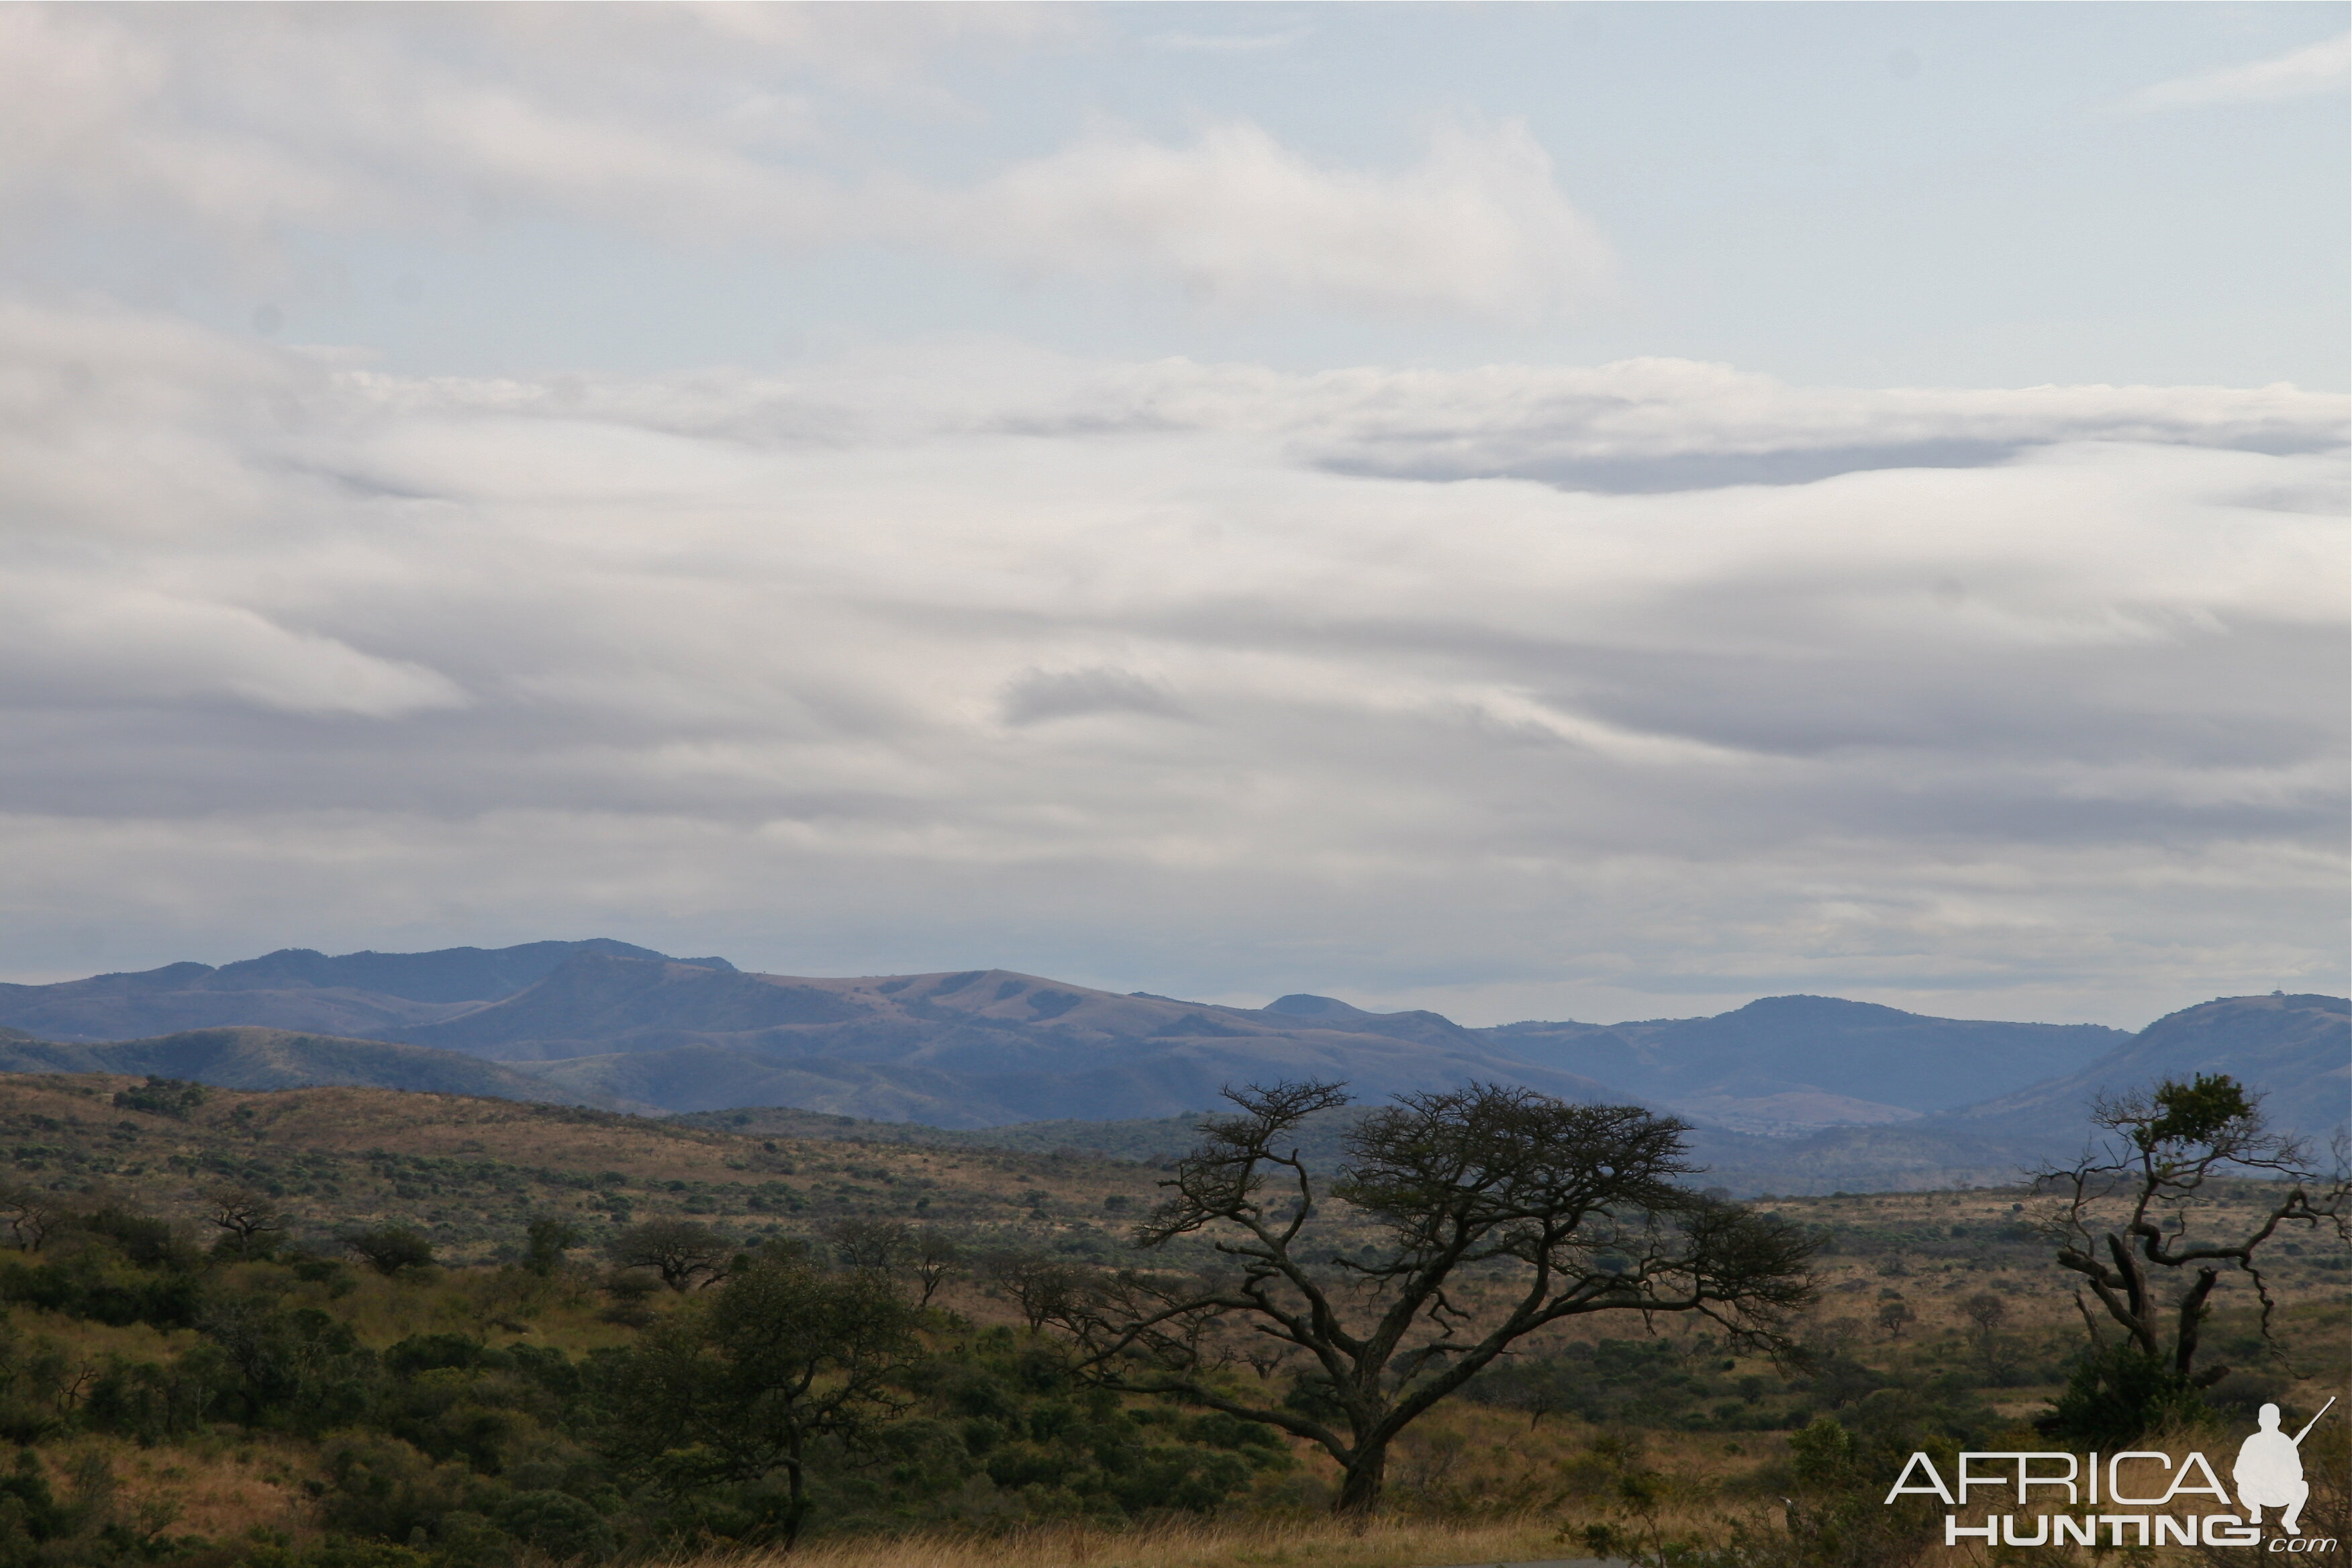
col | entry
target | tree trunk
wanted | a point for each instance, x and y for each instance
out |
(795, 1493)
(2192, 1319)
(1360, 1493)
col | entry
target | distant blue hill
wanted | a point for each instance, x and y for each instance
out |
(1779, 1053)
(365, 995)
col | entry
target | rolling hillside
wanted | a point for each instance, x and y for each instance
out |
(2297, 1049)
(1790, 1064)
(470, 1172)
(280, 1058)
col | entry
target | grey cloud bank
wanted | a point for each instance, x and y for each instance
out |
(1342, 607)
(1186, 677)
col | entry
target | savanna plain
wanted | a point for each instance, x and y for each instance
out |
(355, 1328)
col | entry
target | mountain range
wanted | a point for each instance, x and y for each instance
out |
(361, 995)
(1796, 1094)
(1788, 1062)
(2297, 1049)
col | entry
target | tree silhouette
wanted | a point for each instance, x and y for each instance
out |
(1986, 1312)
(1562, 1210)
(545, 1240)
(2128, 1211)
(390, 1248)
(250, 1215)
(682, 1253)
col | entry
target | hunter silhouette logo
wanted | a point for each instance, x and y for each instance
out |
(2269, 1471)
(2123, 1494)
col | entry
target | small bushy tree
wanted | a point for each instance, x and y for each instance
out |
(388, 1250)
(682, 1253)
(742, 1383)
(863, 1241)
(169, 1097)
(1045, 1288)
(1985, 1312)
(30, 1214)
(251, 1218)
(545, 1241)
(935, 1260)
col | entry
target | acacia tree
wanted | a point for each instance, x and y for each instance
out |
(682, 1253)
(390, 1248)
(936, 1257)
(30, 1214)
(250, 1216)
(1047, 1290)
(2127, 1210)
(1547, 1210)
(863, 1241)
(742, 1382)
(1985, 1312)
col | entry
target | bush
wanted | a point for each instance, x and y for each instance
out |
(558, 1524)
(26, 1503)
(95, 1283)
(390, 1248)
(318, 1269)
(2118, 1392)
(428, 1353)
(169, 1097)
(547, 1238)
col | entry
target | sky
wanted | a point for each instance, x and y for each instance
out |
(1571, 511)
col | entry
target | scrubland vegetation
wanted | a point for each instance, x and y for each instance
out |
(356, 1329)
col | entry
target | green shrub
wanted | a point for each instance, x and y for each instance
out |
(389, 1249)
(2118, 1392)
(169, 1097)
(558, 1524)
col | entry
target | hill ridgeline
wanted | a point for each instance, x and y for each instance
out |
(1799, 1093)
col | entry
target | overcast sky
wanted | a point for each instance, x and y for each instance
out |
(1587, 512)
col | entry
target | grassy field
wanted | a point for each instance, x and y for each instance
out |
(1605, 1437)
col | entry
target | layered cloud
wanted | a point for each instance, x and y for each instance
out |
(1237, 220)
(216, 138)
(1624, 689)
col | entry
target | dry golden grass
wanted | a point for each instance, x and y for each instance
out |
(217, 1489)
(1320, 1543)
